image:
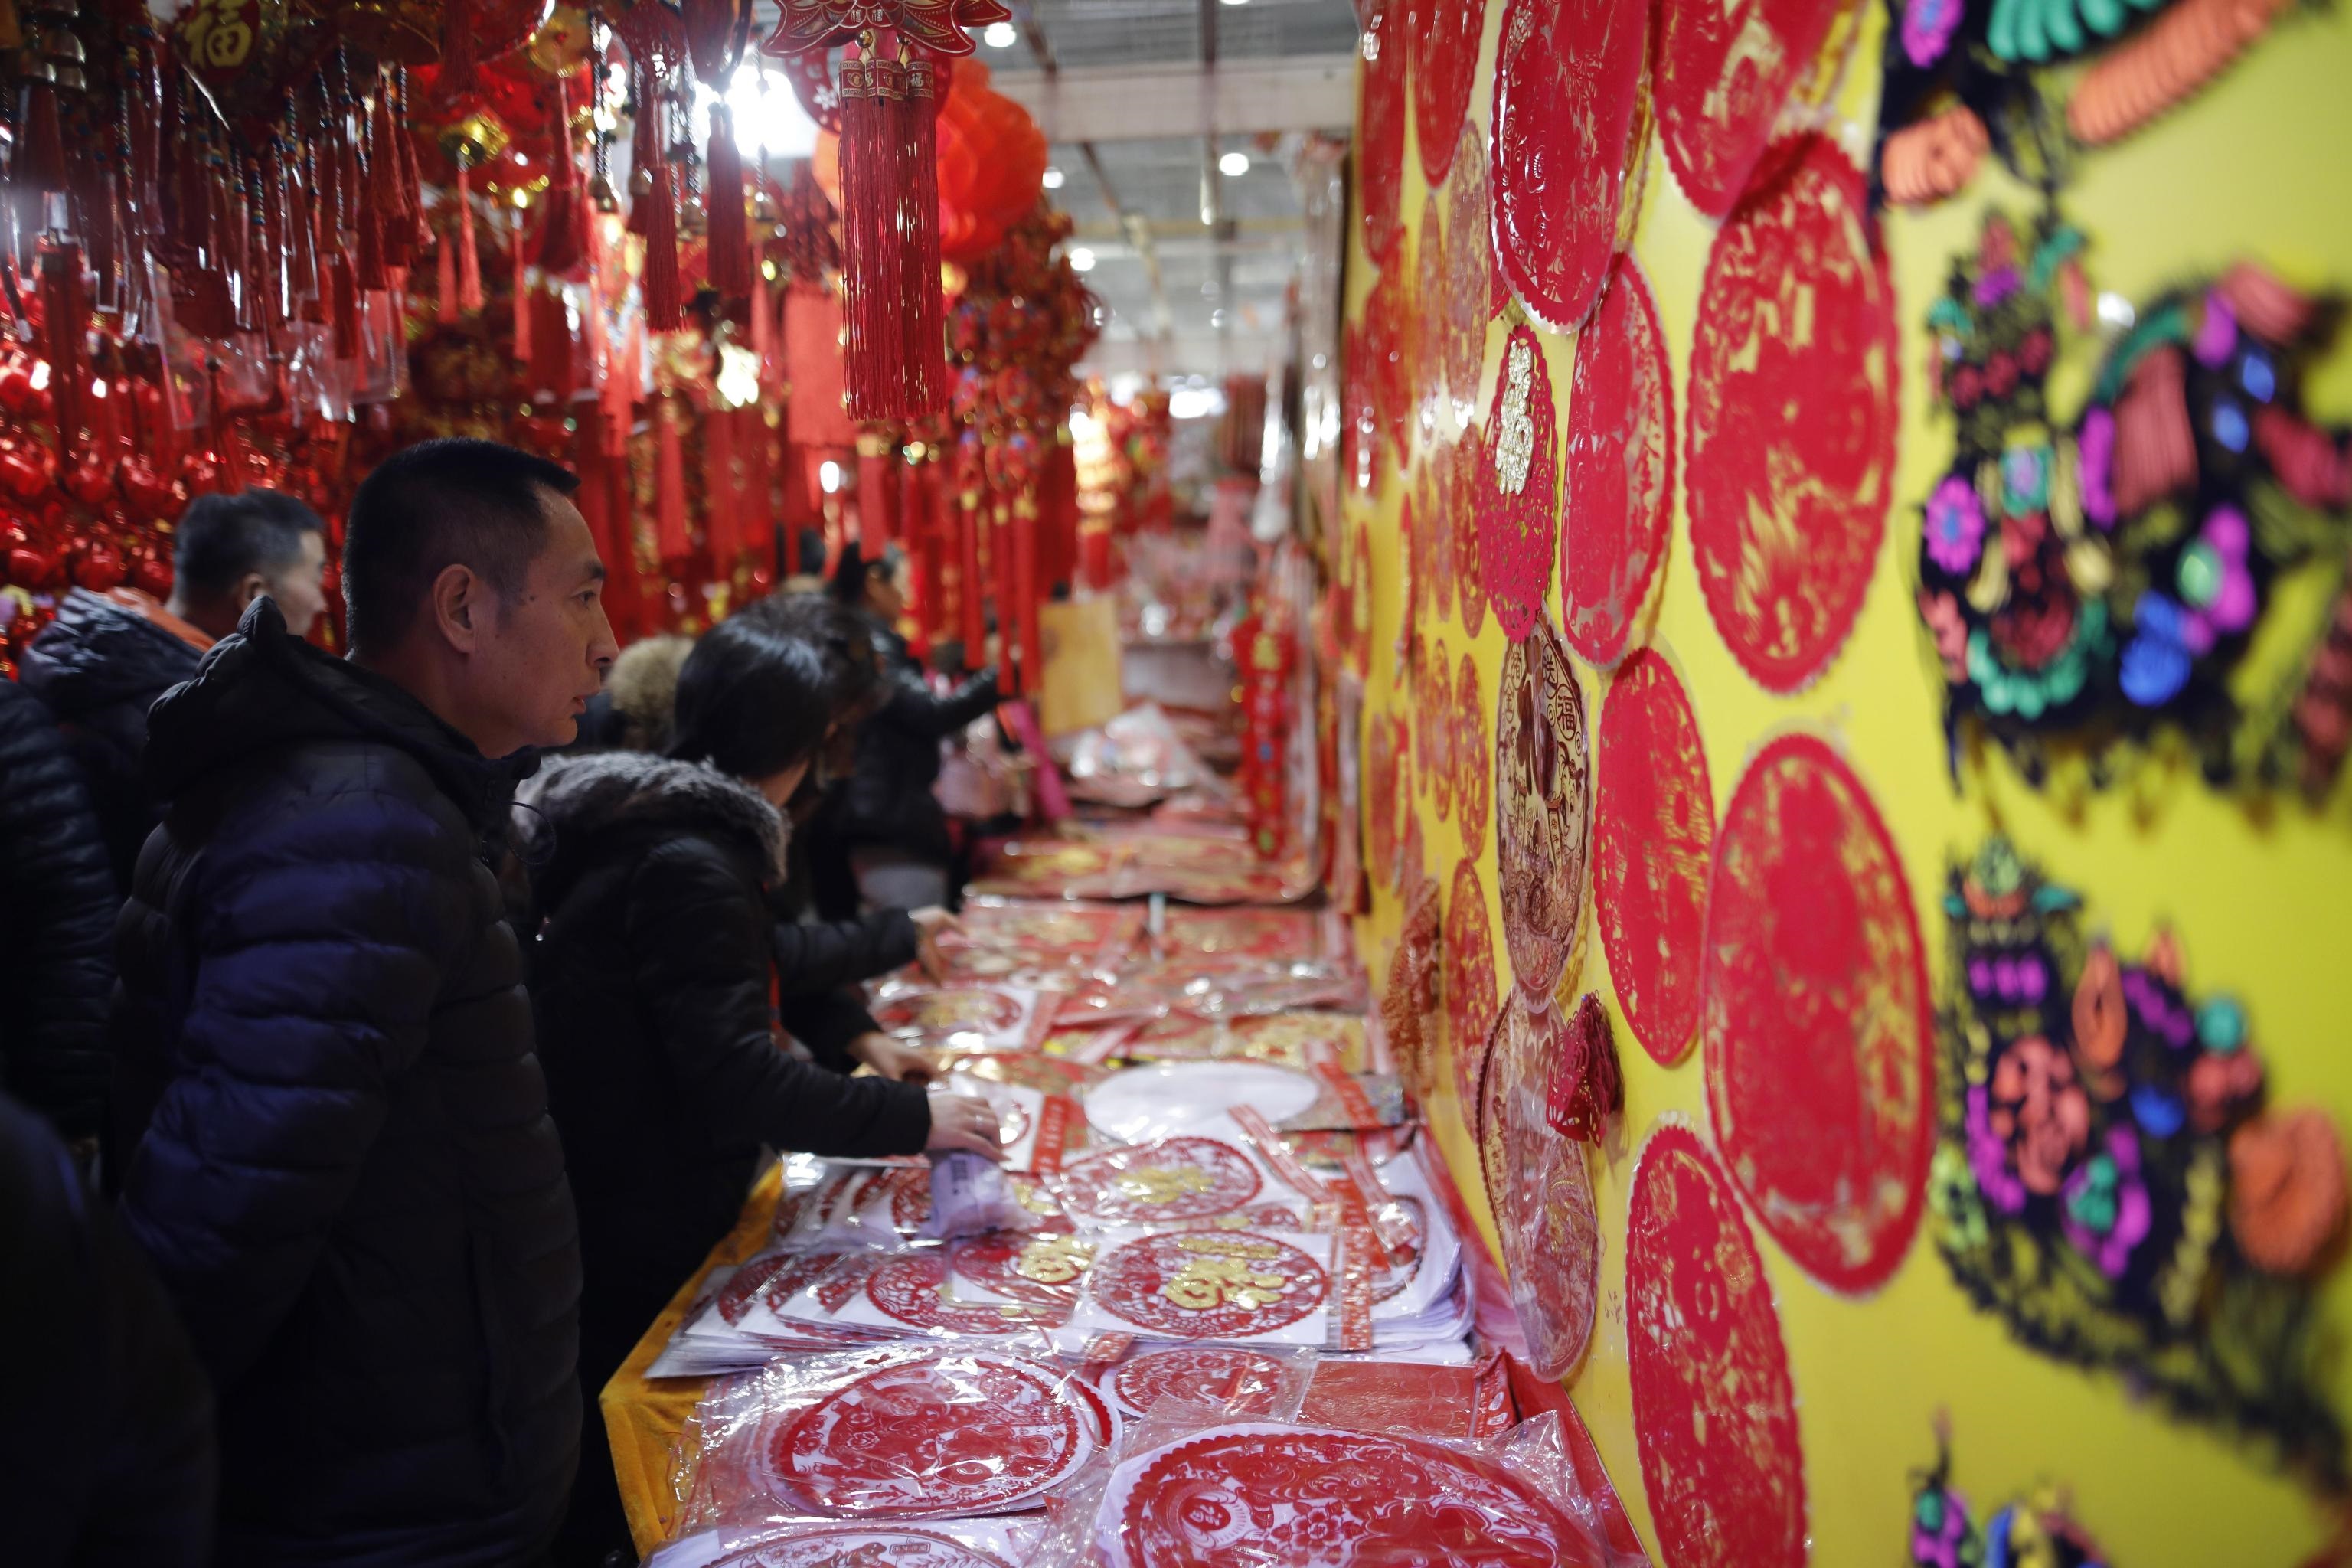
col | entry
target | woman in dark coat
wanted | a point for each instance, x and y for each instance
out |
(652, 990)
(894, 825)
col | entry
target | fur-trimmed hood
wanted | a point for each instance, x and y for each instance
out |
(643, 687)
(574, 801)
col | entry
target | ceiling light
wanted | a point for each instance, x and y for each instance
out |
(1082, 259)
(1236, 2)
(1000, 36)
(1052, 178)
(1235, 164)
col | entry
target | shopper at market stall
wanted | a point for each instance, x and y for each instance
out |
(651, 991)
(349, 1182)
(106, 657)
(897, 835)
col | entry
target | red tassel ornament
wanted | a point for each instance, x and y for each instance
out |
(671, 541)
(562, 221)
(917, 116)
(727, 230)
(470, 259)
(523, 296)
(873, 295)
(665, 296)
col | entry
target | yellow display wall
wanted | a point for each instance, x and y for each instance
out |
(2256, 889)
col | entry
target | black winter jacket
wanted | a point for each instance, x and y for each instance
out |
(57, 924)
(349, 1181)
(99, 666)
(889, 799)
(106, 1430)
(651, 986)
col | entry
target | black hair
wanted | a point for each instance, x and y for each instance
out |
(855, 569)
(453, 501)
(843, 639)
(220, 538)
(751, 700)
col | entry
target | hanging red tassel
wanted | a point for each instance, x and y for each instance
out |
(1025, 594)
(877, 490)
(302, 252)
(873, 295)
(726, 231)
(343, 307)
(445, 308)
(1003, 592)
(65, 320)
(39, 167)
(720, 500)
(458, 63)
(523, 296)
(970, 496)
(387, 189)
(917, 118)
(412, 185)
(562, 238)
(665, 295)
(671, 542)
(763, 323)
(469, 259)
(371, 249)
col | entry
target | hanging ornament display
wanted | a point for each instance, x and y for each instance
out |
(2114, 1181)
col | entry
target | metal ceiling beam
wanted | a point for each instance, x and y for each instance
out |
(1237, 98)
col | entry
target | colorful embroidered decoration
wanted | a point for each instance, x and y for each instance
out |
(2095, 576)
(2035, 1531)
(2110, 1180)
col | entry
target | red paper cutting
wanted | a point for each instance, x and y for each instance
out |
(1381, 112)
(913, 1290)
(1714, 1415)
(829, 1545)
(1541, 1194)
(1461, 519)
(1385, 770)
(1517, 502)
(1473, 276)
(908, 1441)
(1132, 1282)
(1819, 1038)
(1519, 1050)
(1434, 723)
(1434, 394)
(1436, 536)
(1543, 809)
(1470, 983)
(1240, 1382)
(1385, 314)
(1721, 73)
(1155, 1183)
(1792, 415)
(1446, 38)
(1472, 761)
(1653, 842)
(1567, 89)
(1619, 495)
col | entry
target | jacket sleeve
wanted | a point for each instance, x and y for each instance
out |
(913, 706)
(826, 1022)
(320, 942)
(60, 920)
(824, 955)
(701, 939)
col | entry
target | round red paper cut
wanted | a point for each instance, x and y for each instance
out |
(1431, 403)
(951, 1012)
(1715, 1416)
(1814, 1013)
(1321, 1498)
(907, 1288)
(1436, 536)
(1240, 1382)
(1568, 93)
(1543, 809)
(1472, 278)
(1360, 605)
(1516, 503)
(1210, 1284)
(1621, 470)
(1541, 1195)
(1043, 1270)
(1519, 1050)
(910, 1191)
(1461, 520)
(1381, 106)
(1471, 788)
(924, 1439)
(1173, 1179)
(1446, 37)
(1792, 415)
(1721, 72)
(1386, 313)
(1432, 717)
(1654, 841)
(1470, 985)
(831, 1545)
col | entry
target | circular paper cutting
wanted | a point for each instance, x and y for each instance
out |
(1313, 1497)
(1469, 975)
(1619, 495)
(1516, 503)
(1721, 72)
(1436, 534)
(1549, 1226)
(1385, 770)
(1446, 38)
(1519, 1051)
(1381, 113)
(1793, 417)
(1386, 311)
(973, 1010)
(1434, 718)
(933, 1439)
(1431, 405)
(1210, 1284)
(1471, 276)
(1043, 1270)
(1173, 1179)
(911, 1290)
(1462, 520)
(1654, 841)
(1240, 1382)
(1567, 92)
(1543, 809)
(1819, 1038)
(831, 1545)
(1715, 1416)
(1471, 784)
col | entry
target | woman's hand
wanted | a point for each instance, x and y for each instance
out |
(899, 1063)
(958, 1122)
(931, 925)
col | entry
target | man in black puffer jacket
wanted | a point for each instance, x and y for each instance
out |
(349, 1182)
(57, 963)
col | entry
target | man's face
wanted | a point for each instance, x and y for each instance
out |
(546, 651)
(297, 588)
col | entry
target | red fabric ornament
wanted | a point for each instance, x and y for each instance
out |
(715, 34)
(1714, 1413)
(1567, 86)
(1654, 839)
(665, 292)
(1620, 492)
(1818, 1039)
(727, 229)
(872, 261)
(1588, 1084)
(1791, 436)
(942, 26)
